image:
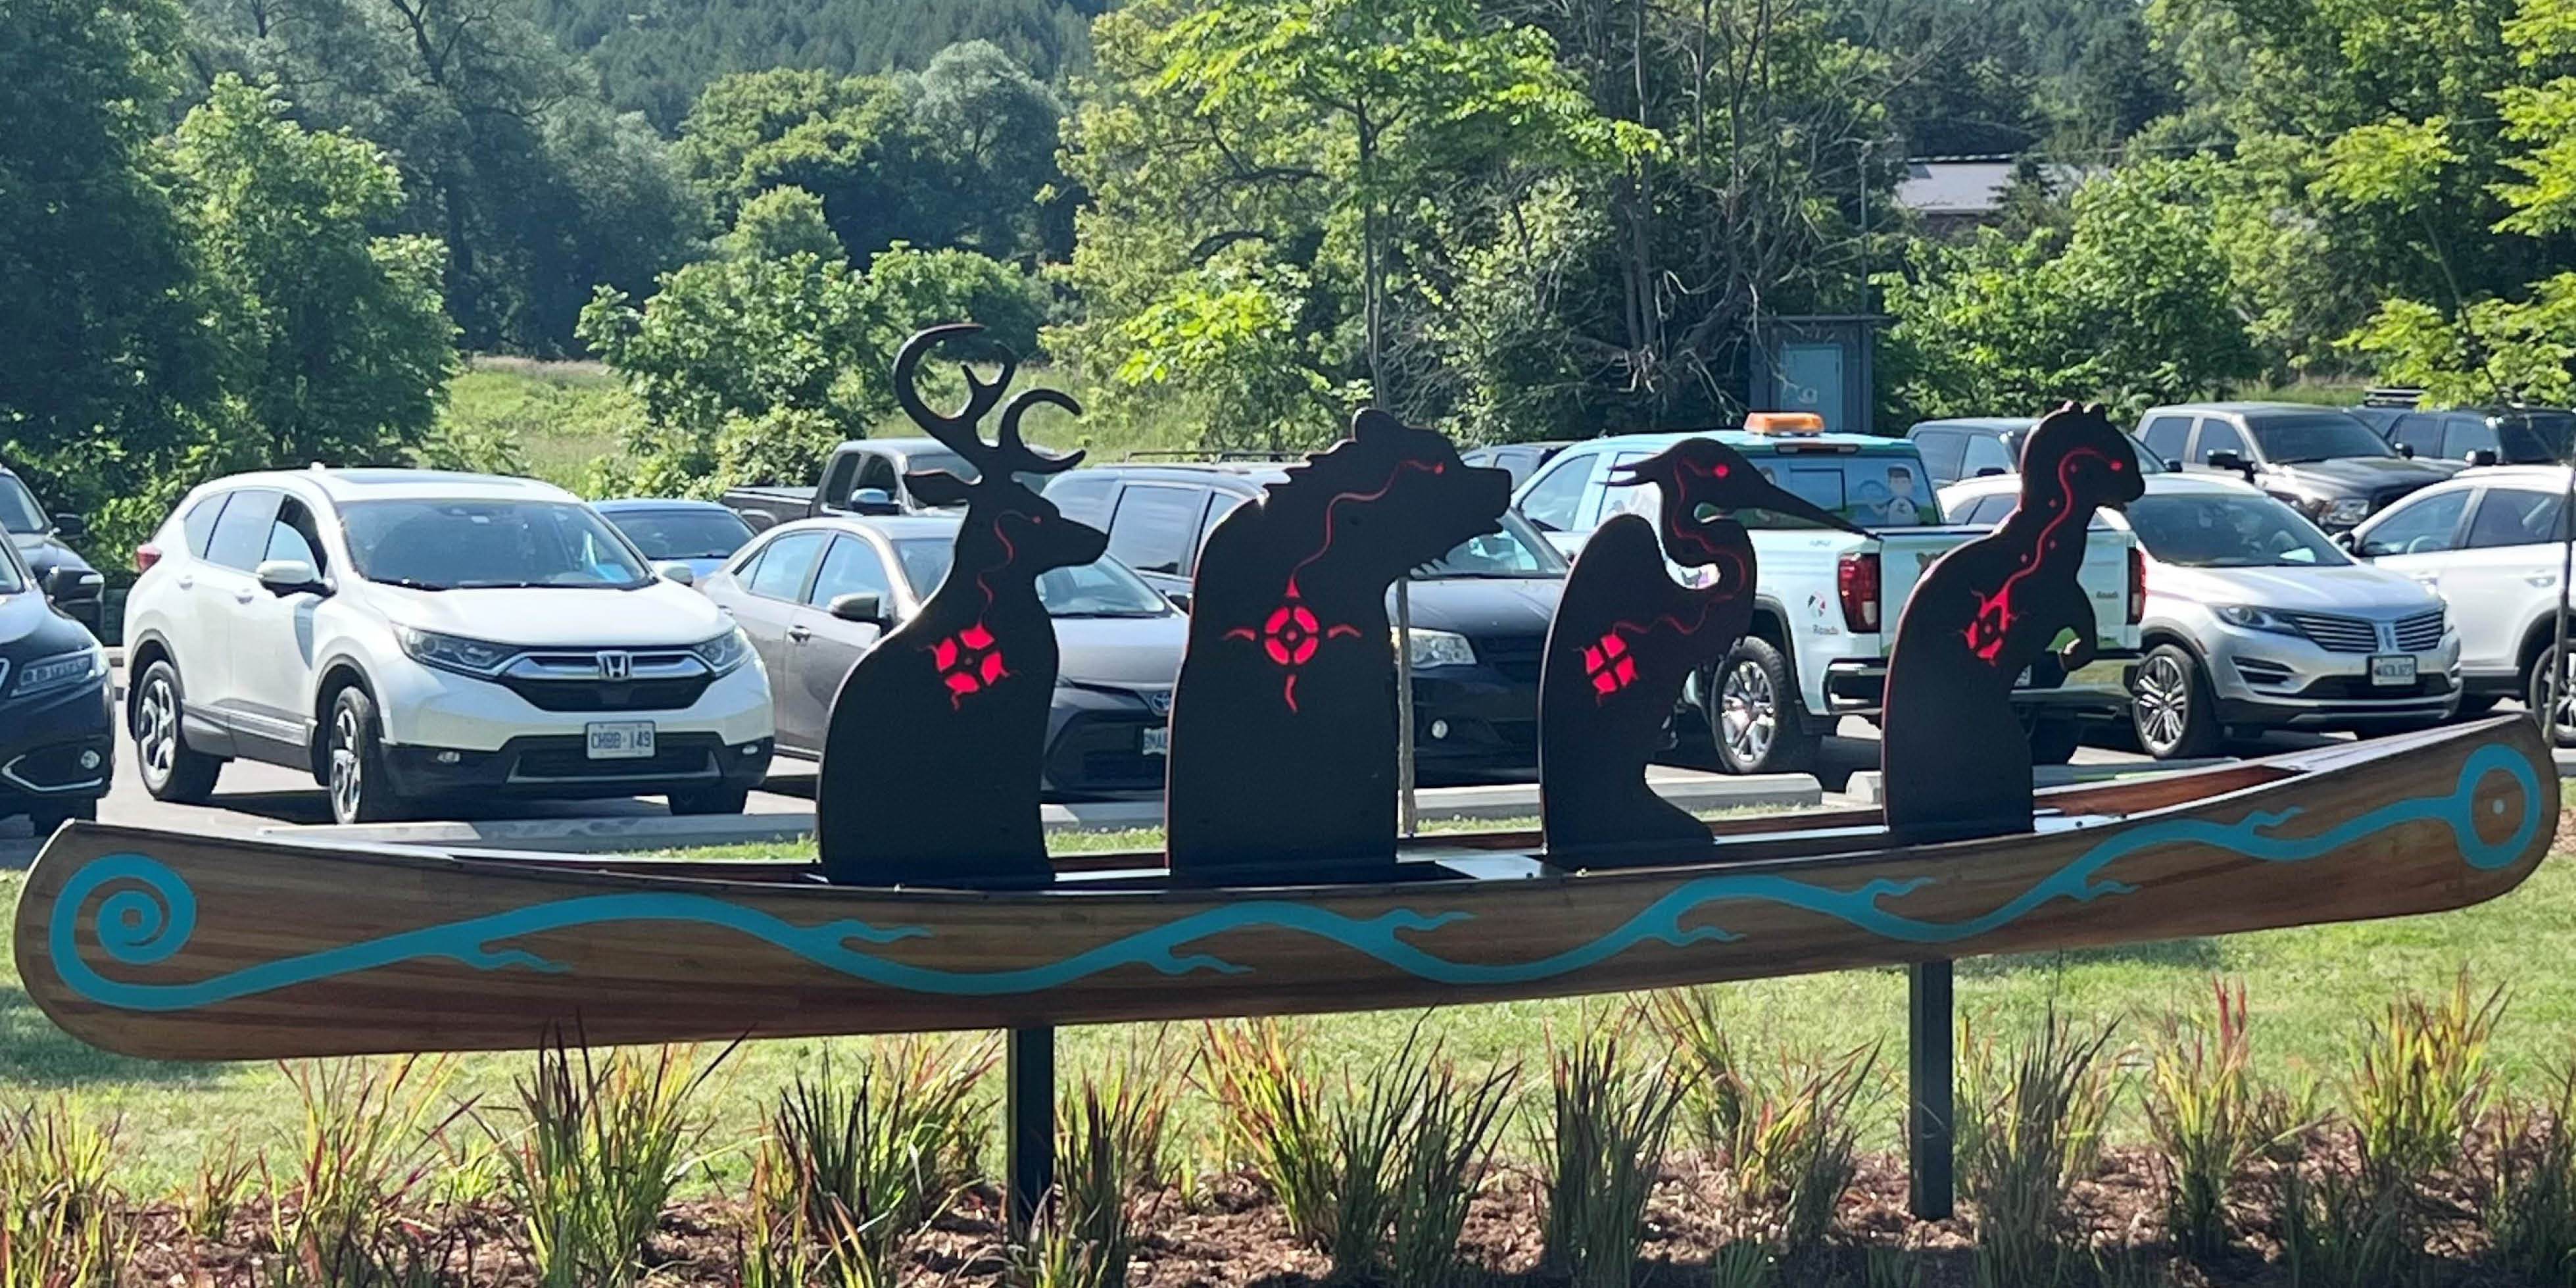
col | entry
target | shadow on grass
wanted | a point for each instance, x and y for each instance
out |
(2200, 955)
(35, 1054)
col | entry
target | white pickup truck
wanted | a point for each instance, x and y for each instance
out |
(1818, 647)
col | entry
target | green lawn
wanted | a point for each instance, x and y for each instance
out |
(2310, 987)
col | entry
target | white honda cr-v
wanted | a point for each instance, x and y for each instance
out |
(407, 635)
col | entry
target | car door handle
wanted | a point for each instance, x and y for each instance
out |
(187, 583)
(799, 634)
(243, 596)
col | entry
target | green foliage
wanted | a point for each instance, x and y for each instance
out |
(2208, 1117)
(371, 1143)
(1602, 1154)
(779, 223)
(1787, 1133)
(870, 1160)
(2130, 305)
(2030, 1126)
(599, 1150)
(2531, 1184)
(2420, 1082)
(1272, 1115)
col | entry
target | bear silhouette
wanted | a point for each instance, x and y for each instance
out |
(1283, 751)
(1954, 757)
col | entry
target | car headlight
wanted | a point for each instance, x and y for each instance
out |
(454, 652)
(1438, 648)
(2251, 618)
(61, 671)
(725, 652)
(2346, 511)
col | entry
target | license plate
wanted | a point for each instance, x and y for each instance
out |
(1154, 742)
(621, 740)
(2397, 669)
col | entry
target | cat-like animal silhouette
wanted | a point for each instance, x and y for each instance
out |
(1626, 636)
(932, 763)
(1283, 722)
(1955, 759)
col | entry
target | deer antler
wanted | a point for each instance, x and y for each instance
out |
(957, 431)
(1016, 456)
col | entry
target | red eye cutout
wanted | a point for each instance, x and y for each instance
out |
(2116, 467)
(1720, 471)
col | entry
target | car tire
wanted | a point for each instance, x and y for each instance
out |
(2171, 708)
(353, 758)
(1756, 719)
(2535, 694)
(2053, 739)
(170, 769)
(710, 800)
(45, 819)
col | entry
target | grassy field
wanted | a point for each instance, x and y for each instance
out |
(2311, 988)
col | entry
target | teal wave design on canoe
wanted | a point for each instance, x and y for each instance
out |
(146, 914)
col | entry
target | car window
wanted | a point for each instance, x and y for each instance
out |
(683, 534)
(2200, 530)
(2291, 438)
(2166, 436)
(851, 567)
(2216, 436)
(1084, 496)
(1156, 528)
(241, 536)
(436, 543)
(1941, 450)
(780, 572)
(199, 524)
(1551, 502)
(2468, 434)
(1101, 588)
(19, 512)
(2418, 525)
(1872, 491)
(1219, 506)
(2532, 437)
(2419, 431)
(2513, 517)
(292, 535)
(1991, 510)
(877, 473)
(13, 574)
(1986, 453)
(837, 478)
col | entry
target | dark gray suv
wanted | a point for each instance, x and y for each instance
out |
(2321, 461)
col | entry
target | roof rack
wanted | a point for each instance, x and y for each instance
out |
(1187, 455)
(2393, 396)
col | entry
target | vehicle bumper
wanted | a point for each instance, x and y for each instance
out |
(55, 748)
(2100, 690)
(558, 766)
(439, 711)
(1474, 721)
(2275, 681)
(1097, 742)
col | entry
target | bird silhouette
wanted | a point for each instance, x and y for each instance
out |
(1626, 636)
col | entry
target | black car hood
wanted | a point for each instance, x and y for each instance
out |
(2358, 475)
(30, 628)
(44, 554)
(1484, 607)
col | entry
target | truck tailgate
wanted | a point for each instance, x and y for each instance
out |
(1904, 554)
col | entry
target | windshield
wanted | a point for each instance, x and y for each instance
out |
(18, 512)
(683, 534)
(2147, 462)
(952, 463)
(2229, 532)
(2533, 438)
(1872, 491)
(2325, 436)
(1516, 551)
(470, 545)
(1100, 589)
(13, 575)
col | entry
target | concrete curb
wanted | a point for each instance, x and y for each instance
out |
(1692, 791)
(2566, 760)
(1864, 785)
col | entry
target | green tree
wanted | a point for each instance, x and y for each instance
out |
(335, 349)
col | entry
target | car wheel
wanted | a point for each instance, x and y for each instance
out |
(2535, 691)
(710, 800)
(46, 819)
(171, 771)
(1757, 721)
(361, 790)
(2053, 739)
(2172, 708)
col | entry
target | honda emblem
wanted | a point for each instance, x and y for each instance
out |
(616, 665)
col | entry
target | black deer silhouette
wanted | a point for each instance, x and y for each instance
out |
(931, 766)
(1283, 723)
(1626, 636)
(1955, 757)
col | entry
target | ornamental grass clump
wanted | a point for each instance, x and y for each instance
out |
(372, 1144)
(2530, 1205)
(875, 1157)
(57, 1228)
(1110, 1153)
(2208, 1116)
(2421, 1081)
(2030, 1123)
(1272, 1116)
(1609, 1125)
(1447, 1149)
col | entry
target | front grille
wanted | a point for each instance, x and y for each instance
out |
(1103, 752)
(1516, 657)
(572, 762)
(2421, 633)
(601, 695)
(2336, 634)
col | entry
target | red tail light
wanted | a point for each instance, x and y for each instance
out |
(2137, 585)
(1857, 578)
(145, 556)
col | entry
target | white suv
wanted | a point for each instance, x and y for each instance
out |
(406, 635)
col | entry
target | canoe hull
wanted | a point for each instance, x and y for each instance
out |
(167, 946)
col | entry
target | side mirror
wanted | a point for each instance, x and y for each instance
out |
(867, 609)
(71, 525)
(678, 574)
(1992, 472)
(62, 582)
(2482, 457)
(290, 577)
(2346, 542)
(873, 500)
(2232, 461)
(2173, 464)
(1180, 599)
(2406, 450)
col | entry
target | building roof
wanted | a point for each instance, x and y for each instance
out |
(1973, 186)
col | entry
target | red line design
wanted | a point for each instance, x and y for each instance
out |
(982, 661)
(1287, 654)
(1335, 503)
(1730, 583)
(1994, 619)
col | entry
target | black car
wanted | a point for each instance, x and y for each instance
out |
(57, 737)
(2476, 435)
(1520, 460)
(1480, 613)
(59, 570)
(2321, 461)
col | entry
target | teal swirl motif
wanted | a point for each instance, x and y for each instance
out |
(149, 914)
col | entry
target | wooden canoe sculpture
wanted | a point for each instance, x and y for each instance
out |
(1624, 639)
(931, 763)
(192, 947)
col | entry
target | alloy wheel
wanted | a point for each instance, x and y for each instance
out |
(1750, 710)
(2164, 701)
(2562, 730)
(156, 730)
(348, 777)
